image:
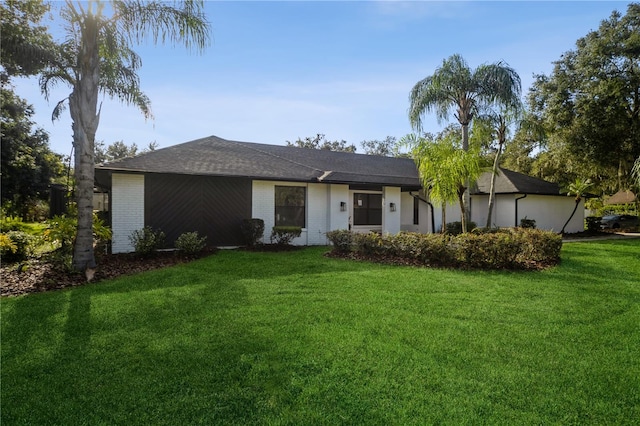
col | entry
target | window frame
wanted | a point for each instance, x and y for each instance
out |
(300, 218)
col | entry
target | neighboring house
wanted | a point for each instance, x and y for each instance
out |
(519, 196)
(211, 184)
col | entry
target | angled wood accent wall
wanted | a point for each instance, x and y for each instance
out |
(213, 206)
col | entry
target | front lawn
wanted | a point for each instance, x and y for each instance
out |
(299, 338)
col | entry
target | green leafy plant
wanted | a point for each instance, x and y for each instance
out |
(252, 231)
(527, 223)
(12, 223)
(341, 239)
(18, 248)
(190, 243)
(145, 241)
(455, 228)
(283, 235)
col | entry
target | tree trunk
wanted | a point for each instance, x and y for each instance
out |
(572, 213)
(492, 190)
(83, 104)
(463, 211)
(465, 200)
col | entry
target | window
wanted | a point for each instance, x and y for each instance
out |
(367, 209)
(290, 205)
(416, 211)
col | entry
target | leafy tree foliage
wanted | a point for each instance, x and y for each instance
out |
(590, 104)
(25, 43)
(319, 141)
(97, 57)
(28, 165)
(455, 87)
(388, 147)
(444, 168)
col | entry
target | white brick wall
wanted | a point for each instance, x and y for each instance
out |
(127, 192)
(391, 220)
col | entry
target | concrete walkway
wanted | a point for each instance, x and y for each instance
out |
(612, 236)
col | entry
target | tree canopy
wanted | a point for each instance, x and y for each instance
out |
(319, 141)
(590, 104)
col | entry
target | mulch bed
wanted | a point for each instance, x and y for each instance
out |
(37, 276)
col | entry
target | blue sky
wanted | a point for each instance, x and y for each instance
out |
(276, 71)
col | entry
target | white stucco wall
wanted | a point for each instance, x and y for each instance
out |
(127, 209)
(391, 220)
(550, 212)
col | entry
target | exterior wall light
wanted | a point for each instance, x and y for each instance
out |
(343, 206)
(392, 207)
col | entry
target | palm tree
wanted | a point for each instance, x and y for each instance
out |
(456, 86)
(95, 58)
(577, 188)
(498, 124)
(444, 169)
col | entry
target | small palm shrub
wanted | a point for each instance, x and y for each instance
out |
(190, 243)
(284, 235)
(145, 241)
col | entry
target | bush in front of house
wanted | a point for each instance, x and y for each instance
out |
(510, 248)
(145, 241)
(284, 235)
(252, 231)
(593, 223)
(527, 223)
(190, 243)
(15, 246)
(455, 228)
(341, 239)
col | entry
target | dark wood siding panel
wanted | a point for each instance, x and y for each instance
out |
(212, 206)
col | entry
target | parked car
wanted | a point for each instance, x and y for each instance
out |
(619, 221)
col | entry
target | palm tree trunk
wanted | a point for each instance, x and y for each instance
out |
(570, 217)
(492, 190)
(465, 200)
(83, 104)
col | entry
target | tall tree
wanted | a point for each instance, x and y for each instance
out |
(97, 57)
(455, 86)
(25, 43)
(388, 147)
(319, 141)
(444, 168)
(590, 103)
(28, 165)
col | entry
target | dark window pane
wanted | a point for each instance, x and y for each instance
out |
(290, 205)
(367, 209)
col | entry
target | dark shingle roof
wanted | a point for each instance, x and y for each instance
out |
(214, 156)
(510, 182)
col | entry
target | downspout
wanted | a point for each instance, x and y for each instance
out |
(517, 199)
(433, 222)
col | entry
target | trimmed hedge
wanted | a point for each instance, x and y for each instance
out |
(283, 235)
(508, 248)
(252, 231)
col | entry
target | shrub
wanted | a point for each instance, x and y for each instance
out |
(593, 223)
(17, 248)
(527, 223)
(145, 241)
(512, 248)
(62, 230)
(283, 235)
(341, 239)
(455, 228)
(189, 243)
(12, 223)
(252, 231)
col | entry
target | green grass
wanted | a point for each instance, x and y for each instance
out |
(296, 338)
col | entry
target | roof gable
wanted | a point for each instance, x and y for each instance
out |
(510, 182)
(214, 156)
